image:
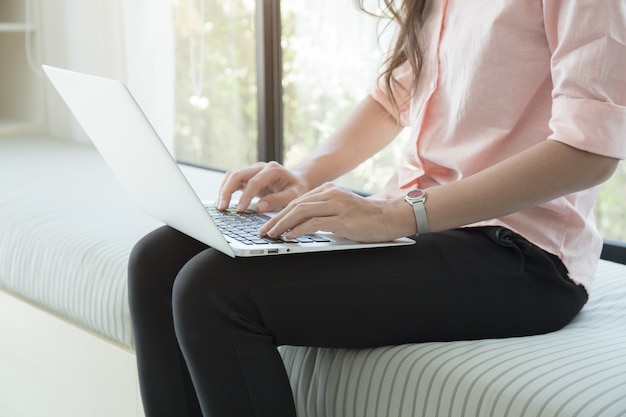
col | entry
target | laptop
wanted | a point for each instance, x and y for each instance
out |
(130, 146)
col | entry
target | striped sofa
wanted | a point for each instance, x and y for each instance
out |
(66, 229)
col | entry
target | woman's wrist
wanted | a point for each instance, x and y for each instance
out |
(399, 218)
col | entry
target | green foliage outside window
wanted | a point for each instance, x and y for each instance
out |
(216, 83)
(331, 56)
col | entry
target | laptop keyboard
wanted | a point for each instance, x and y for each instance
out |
(244, 227)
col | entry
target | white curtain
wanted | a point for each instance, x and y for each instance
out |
(131, 40)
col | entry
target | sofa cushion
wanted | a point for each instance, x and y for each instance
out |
(578, 371)
(66, 229)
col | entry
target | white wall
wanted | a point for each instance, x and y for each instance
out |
(150, 63)
(128, 40)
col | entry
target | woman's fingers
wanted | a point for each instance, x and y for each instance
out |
(235, 181)
(315, 210)
(271, 181)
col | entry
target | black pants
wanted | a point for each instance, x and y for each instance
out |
(207, 326)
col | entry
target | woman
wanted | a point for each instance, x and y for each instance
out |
(517, 114)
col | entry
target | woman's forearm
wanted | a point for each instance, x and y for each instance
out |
(366, 131)
(542, 173)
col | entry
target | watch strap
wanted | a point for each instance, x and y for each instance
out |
(420, 218)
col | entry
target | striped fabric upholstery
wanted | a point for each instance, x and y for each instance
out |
(578, 371)
(66, 229)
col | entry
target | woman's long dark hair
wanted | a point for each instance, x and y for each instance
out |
(409, 16)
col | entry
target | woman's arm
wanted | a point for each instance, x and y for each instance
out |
(542, 173)
(367, 130)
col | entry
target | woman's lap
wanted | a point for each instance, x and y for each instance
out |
(232, 313)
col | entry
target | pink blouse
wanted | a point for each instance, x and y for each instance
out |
(499, 77)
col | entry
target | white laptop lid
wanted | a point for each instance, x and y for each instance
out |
(130, 146)
(126, 141)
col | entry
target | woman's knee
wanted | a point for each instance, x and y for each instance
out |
(207, 287)
(156, 259)
(198, 281)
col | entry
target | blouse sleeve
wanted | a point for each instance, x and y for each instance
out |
(588, 44)
(401, 91)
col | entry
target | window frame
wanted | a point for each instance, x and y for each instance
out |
(270, 141)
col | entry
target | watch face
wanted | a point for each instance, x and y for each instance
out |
(416, 194)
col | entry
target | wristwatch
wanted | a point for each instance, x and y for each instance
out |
(417, 198)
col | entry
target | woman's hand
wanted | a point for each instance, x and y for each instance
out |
(334, 209)
(275, 184)
(367, 130)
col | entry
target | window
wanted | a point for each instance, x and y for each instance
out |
(268, 80)
(331, 56)
(216, 83)
(610, 210)
(222, 54)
